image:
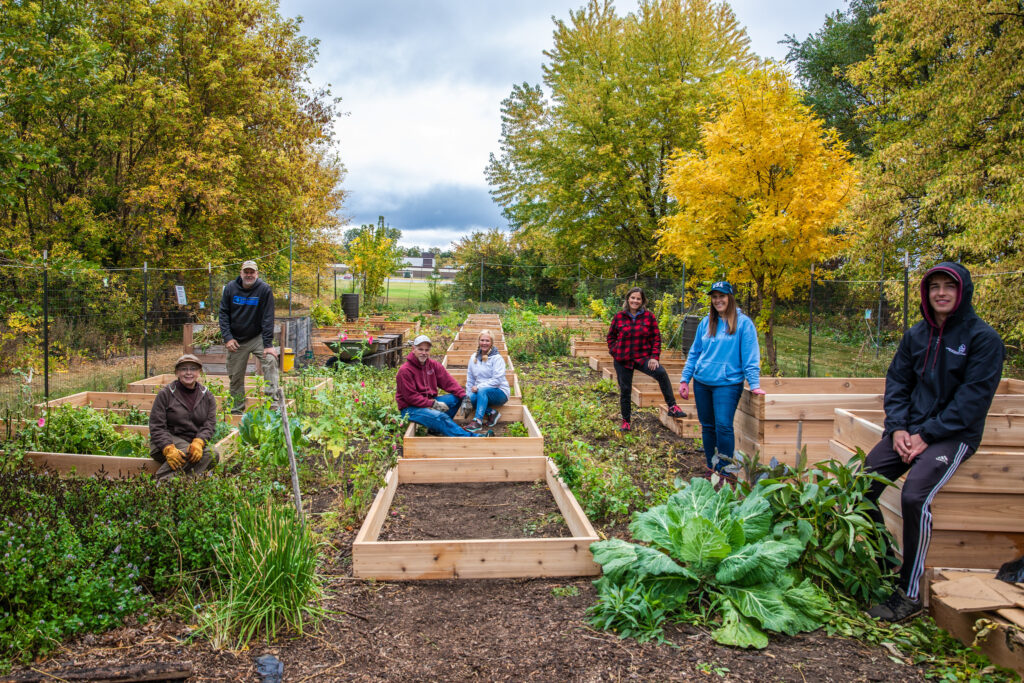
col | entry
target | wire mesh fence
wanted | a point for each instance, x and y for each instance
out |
(67, 328)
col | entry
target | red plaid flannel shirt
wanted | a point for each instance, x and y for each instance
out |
(631, 341)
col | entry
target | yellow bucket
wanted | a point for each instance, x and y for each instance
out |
(288, 361)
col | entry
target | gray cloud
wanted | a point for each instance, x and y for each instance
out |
(434, 217)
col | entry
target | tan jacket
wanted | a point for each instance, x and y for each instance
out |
(169, 417)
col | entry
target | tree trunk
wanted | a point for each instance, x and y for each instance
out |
(769, 337)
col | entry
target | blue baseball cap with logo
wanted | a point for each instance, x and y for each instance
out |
(721, 286)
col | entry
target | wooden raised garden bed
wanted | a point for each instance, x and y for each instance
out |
(469, 447)
(768, 424)
(153, 385)
(460, 359)
(474, 558)
(687, 427)
(515, 397)
(978, 516)
(119, 402)
(114, 467)
(472, 345)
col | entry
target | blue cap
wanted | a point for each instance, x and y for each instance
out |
(721, 286)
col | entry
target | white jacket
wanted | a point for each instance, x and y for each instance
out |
(487, 373)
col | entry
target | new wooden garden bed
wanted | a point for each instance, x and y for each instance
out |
(469, 447)
(474, 558)
(472, 345)
(114, 467)
(153, 385)
(978, 516)
(768, 424)
(515, 397)
(460, 359)
(123, 402)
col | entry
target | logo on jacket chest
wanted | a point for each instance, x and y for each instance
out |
(959, 351)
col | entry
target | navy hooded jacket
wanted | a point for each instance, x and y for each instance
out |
(941, 382)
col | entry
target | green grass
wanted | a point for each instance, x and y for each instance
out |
(829, 358)
(399, 293)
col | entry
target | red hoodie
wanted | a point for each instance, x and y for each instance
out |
(416, 385)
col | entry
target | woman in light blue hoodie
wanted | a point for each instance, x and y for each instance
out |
(486, 384)
(724, 353)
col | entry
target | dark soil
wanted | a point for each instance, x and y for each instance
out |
(494, 630)
(476, 510)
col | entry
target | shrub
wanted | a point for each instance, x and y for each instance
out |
(80, 555)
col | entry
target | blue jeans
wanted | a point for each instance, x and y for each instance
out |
(486, 397)
(438, 421)
(716, 407)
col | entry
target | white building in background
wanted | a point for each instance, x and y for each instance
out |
(414, 267)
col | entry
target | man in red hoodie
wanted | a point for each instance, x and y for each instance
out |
(416, 392)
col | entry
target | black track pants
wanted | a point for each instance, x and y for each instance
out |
(928, 473)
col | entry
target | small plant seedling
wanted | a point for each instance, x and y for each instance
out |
(565, 591)
(710, 668)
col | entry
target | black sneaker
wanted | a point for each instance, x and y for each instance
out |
(492, 417)
(676, 411)
(897, 608)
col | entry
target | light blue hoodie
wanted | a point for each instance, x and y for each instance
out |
(725, 358)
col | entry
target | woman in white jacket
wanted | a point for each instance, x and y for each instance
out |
(486, 384)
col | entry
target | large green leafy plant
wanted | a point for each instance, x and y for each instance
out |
(263, 429)
(82, 430)
(709, 552)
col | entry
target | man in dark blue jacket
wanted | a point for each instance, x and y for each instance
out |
(247, 326)
(938, 390)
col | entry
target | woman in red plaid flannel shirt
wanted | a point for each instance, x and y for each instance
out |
(635, 344)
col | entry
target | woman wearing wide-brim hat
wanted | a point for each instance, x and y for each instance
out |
(725, 351)
(182, 421)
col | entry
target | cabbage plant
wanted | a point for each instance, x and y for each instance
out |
(709, 557)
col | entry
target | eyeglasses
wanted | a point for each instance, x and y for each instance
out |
(188, 368)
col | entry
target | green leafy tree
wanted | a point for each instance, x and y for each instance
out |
(822, 62)
(581, 175)
(373, 255)
(943, 182)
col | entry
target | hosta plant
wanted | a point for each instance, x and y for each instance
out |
(709, 554)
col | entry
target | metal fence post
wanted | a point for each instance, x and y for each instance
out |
(334, 276)
(46, 327)
(810, 323)
(481, 281)
(289, 276)
(145, 319)
(209, 270)
(906, 288)
(318, 284)
(878, 323)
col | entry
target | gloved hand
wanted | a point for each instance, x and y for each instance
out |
(175, 458)
(195, 450)
(757, 392)
(440, 406)
(467, 406)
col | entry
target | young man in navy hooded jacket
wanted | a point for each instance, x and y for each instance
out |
(938, 390)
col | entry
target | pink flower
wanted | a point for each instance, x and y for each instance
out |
(41, 422)
(344, 337)
(362, 384)
(357, 399)
(369, 338)
(394, 446)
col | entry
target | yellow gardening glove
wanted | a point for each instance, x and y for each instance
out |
(175, 458)
(195, 450)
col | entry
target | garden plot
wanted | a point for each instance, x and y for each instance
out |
(515, 397)
(472, 345)
(114, 466)
(125, 402)
(153, 385)
(768, 424)
(474, 558)
(460, 359)
(532, 444)
(978, 516)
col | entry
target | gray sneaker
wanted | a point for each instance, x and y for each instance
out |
(492, 417)
(897, 608)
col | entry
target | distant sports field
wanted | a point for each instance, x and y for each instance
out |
(402, 293)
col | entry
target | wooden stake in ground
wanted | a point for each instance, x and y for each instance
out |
(291, 450)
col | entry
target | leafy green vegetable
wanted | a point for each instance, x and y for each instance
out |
(263, 429)
(707, 548)
(82, 430)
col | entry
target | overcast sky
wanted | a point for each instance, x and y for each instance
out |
(422, 82)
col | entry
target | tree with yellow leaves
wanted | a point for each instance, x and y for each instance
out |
(759, 201)
(373, 255)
